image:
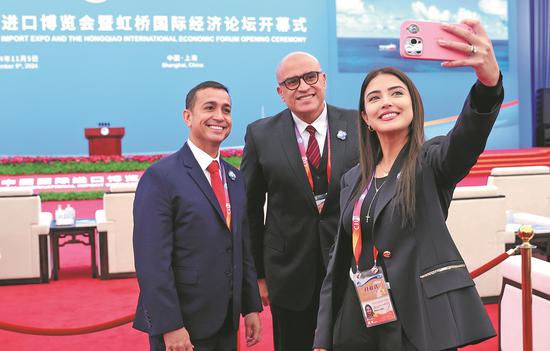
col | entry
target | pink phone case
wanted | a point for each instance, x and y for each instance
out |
(418, 40)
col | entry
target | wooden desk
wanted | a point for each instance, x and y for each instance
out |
(78, 232)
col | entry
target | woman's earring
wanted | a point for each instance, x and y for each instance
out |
(370, 128)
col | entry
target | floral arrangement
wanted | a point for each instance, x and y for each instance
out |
(46, 196)
(16, 165)
(78, 159)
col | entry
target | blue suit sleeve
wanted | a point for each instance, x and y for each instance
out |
(153, 245)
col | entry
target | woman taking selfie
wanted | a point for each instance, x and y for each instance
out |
(393, 250)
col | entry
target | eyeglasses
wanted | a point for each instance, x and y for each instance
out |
(309, 78)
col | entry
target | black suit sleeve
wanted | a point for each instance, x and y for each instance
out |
(256, 189)
(453, 155)
(485, 98)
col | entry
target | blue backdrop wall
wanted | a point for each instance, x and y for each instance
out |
(66, 65)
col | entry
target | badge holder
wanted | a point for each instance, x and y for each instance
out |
(374, 297)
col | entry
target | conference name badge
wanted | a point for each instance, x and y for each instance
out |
(374, 297)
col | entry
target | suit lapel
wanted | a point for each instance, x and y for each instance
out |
(290, 147)
(386, 193)
(232, 189)
(197, 174)
(389, 189)
(337, 149)
(337, 145)
(347, 192)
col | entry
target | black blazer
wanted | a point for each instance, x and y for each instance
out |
(289, 248)
(189, 265)
(434, 296)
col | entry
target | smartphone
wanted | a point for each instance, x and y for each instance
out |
(418, 40)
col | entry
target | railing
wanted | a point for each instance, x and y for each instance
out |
(525, 233)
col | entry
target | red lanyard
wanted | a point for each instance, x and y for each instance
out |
(302, 148)
(356, 228)
(227, 202)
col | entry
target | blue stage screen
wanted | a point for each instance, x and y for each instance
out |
(69, 65)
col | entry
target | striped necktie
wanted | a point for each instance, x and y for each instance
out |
(312, 152)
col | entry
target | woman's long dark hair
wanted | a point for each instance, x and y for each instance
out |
(370, 152)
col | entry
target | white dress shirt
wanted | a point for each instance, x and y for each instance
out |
(203, 159)
(320, 125)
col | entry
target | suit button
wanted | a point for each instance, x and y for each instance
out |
(228, 273)
(387, 254)
(228, 250)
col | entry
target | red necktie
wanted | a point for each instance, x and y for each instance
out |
(217, 186)
(312, 152)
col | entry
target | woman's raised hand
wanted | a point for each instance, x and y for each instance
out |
(481, 56)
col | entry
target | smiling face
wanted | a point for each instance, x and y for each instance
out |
(307, 101)
(388, 105)
(369, 311)
(209, 119)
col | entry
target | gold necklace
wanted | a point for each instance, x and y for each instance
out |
(383, 171)
(376, 190)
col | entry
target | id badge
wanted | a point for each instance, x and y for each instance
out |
(320, 201)
(374, 297)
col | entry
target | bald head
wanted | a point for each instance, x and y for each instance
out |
(295, 58)
(307, 100)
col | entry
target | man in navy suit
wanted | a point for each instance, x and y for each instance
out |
(191, 239)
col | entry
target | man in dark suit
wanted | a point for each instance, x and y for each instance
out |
(299, 168)
(191, 239)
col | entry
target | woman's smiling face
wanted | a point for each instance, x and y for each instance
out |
(388, 105)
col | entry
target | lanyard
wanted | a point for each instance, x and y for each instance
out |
(356, 229)
(302, 148)
(227, 202)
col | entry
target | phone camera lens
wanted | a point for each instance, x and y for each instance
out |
(413, 41)
(413, 28)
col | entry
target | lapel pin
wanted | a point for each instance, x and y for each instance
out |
(398, 175)
(342, 135)
(231, 175)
